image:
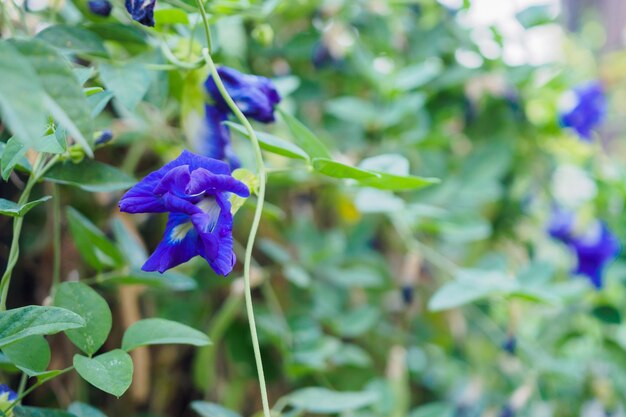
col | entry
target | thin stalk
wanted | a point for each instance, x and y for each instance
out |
(56, 237)
(207, 30)
(262, 175)
(14, 252)
(37, 172)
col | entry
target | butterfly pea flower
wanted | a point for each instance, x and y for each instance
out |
(594, 248)
(510, 344)
(195, 191)
(100, 7)
(584, 108)
(7, 396)
(254, 95)
(141, 11)
(104, 137)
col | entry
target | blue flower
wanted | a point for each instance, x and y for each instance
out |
(255, 96)
(215, 137)
(507, 411)
(141, 11)
(586, 107)
(594, 249)
(10, 394)
(195, 191)
(561, 224)
(100, 7)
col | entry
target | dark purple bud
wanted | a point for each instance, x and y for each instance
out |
(141, 11)
(100, 7)
(510, 345)
(407, 294)
(105, 136)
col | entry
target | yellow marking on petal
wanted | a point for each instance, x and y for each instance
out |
(179, 232)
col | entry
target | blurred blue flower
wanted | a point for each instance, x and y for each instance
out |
(215, 137)
(561, 224)
(100, 7)
(255, 96)
(507, 411)
(585, 109)
(195, 191)
(141, 11)
(10, 394)
(594, 249)
(407, 294)
(104, 137)
(510, 345)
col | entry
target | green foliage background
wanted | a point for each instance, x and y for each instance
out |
(403, 240)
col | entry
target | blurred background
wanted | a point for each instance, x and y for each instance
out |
(498, 292)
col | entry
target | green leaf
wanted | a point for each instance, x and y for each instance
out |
(272, 143)
(124, 34)
(73, 39)
(26, 116)
(207, 409)
(433, 410)
(129, 243)
(97, 102)
(91, 242)
(306, 139)
(325, 401)
(84, 410)
(170, 16)
(392, 182)
(9, 208)
(129, 83)
(607, 314)
(32, 354)
(418, 75)
(252, 182)
(535, 16)
(13, 153)
(112, 372)
(338, 170)
(469, 286)
(161, 332)
(169, 280)
(87, 303)
(16, 324)
(64, 97)
(21, 411)
(83, 74)
(90, 175)
(54, 143)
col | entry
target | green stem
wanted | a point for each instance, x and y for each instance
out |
(14, 252)
(36, 385)
(207, 30)
(37, 172)
(262, 175)
(56, 237)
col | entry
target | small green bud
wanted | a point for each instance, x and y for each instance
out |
(263, 34)
(77, 154)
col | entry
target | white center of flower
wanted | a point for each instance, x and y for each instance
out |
(209, 206)
(179, 232)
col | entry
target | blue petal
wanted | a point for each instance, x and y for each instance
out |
(205, 181)
(594, 251)
(214, 139)
(4, 389)
(141, 198)
(255, 96)
(179, 244)
(217, 238)
(141, 11)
